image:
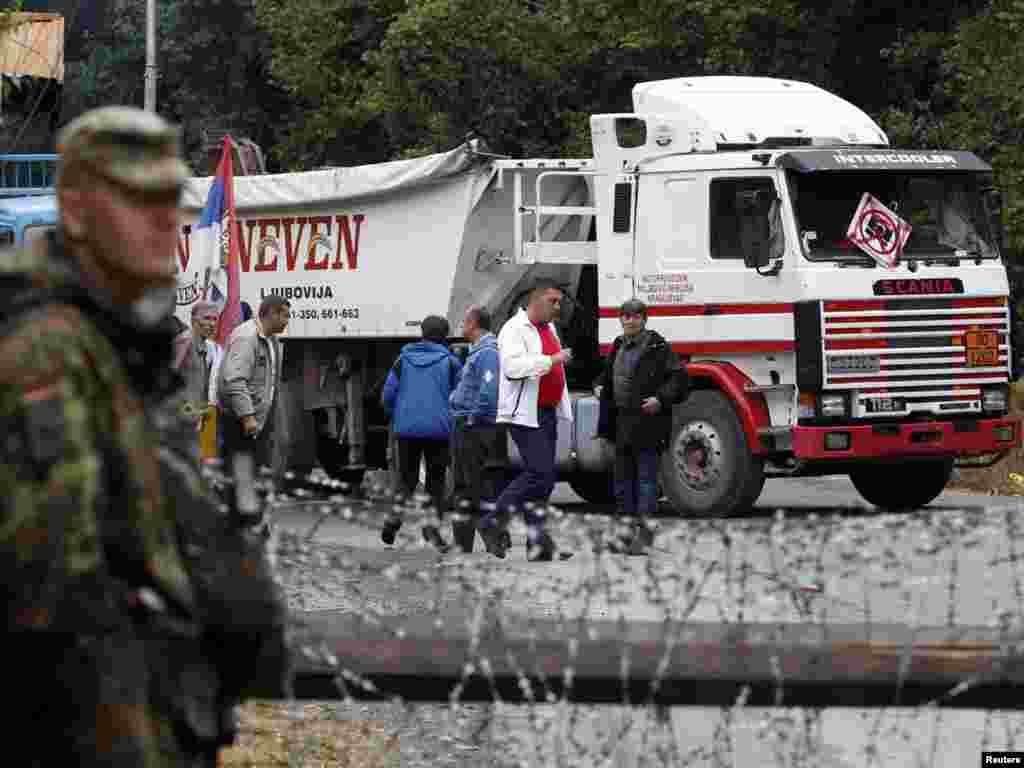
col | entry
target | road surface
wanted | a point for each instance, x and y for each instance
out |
(810, 552)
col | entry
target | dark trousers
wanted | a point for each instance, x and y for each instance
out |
(235, 440)
(435, 453)
(477, 464)
(534, 484)
(636, 480)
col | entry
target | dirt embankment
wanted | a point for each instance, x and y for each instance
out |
(271, 736)
(1005, 478)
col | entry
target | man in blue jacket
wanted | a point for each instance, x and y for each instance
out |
(416, 398)
(475, 441)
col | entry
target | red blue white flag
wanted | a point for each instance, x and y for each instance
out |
(217, 238)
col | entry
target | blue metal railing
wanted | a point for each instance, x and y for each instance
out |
(28, 174)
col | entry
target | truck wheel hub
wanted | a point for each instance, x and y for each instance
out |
(698, 455)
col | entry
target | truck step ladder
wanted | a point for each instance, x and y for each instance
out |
(539, 250)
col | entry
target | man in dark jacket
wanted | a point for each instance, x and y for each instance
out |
(416, 398)
(641, 382)
(475, 438)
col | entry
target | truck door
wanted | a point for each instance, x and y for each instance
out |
(694, 231)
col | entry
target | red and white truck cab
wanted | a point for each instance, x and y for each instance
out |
(843, 306)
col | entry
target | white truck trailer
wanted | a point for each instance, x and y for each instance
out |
(842, 307)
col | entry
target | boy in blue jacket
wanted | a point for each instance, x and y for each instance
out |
(476, 462)
(416, 398)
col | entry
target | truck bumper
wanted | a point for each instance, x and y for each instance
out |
(923, 438)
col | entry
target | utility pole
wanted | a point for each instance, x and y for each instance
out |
(151, 72)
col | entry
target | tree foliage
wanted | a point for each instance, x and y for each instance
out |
(382, 78)
(343, 82)
(212, 64)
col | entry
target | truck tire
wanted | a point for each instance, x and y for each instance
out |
(902, 487)
(708, 469)
(594, 487)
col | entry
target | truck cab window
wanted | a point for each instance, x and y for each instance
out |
(945, 213)
(739, 215)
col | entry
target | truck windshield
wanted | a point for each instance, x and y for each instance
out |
(944, 211)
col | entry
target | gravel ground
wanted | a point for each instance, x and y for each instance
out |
(955, 565)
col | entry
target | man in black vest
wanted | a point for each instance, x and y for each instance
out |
(641, 382)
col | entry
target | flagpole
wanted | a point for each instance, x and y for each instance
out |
(151, 71)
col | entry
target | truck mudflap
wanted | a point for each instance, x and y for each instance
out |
(922, 438)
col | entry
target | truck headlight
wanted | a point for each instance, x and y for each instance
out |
(832, 406)
(994, 399)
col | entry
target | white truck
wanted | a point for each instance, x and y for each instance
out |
(841, 306)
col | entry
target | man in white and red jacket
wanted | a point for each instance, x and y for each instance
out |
(532, 397)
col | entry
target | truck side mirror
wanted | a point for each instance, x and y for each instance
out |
(764, 254)
(755, 254)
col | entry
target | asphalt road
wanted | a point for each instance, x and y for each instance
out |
(953, 562)
(811, 552)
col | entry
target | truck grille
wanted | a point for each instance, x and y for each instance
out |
(900, 356)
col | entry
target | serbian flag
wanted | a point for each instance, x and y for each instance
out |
(216, 241)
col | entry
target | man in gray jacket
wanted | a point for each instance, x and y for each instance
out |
(249, 379)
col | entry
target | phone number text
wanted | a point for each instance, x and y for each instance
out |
(345, 313)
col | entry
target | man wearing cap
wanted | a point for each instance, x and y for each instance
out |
(640, 383)
(197, 357)
(90, 559)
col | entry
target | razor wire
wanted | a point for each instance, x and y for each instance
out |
(951, 566)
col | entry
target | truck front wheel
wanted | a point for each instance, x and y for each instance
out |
(906, 486)
(708, 468)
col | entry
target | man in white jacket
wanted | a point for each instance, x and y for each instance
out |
(532, 397)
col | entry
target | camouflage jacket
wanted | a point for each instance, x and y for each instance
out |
(83, 521)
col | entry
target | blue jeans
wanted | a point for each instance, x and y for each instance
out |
(534, 484)
(636, 480)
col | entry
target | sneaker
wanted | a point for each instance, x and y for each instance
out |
(544, 551)
(497, 541)
(464, 535)
(390, 531)
(433, 536)
(637, 543)
(617, 546)
(637, 547)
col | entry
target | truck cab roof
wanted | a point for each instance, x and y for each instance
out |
(758, 110)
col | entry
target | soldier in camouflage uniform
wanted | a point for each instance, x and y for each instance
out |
(128, 637)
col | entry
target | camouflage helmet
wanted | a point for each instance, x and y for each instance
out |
(135, 149)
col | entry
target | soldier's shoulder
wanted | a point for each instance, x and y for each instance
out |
(46, 340)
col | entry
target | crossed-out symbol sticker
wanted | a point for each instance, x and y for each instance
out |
(878, 231)
(875, 227)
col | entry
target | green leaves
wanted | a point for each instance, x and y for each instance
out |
(355, 81)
